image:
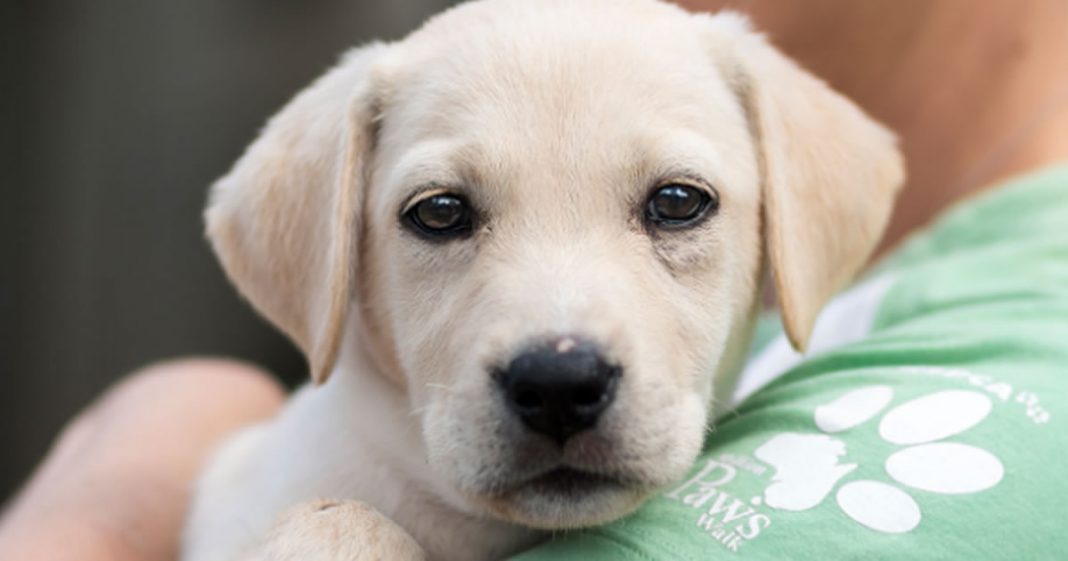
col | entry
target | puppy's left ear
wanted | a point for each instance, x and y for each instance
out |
(283, 221)
(830, 173)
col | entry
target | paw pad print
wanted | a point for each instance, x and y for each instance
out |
(807, 464)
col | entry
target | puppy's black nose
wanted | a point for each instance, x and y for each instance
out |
(560, 388)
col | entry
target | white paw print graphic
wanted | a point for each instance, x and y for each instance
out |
(808, 469)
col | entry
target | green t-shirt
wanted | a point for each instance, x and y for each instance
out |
(928, 421)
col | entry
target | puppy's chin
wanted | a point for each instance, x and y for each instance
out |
(489, 464)
(564, 498)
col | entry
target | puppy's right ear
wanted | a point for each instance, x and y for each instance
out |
(830, 173)
(283, 221)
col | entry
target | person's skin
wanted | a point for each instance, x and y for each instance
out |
(978, 91)
(118, 479)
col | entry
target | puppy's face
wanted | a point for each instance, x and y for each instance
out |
(557, 214)
(589, 206)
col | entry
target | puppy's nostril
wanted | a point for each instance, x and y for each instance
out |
(527, 398)
(588, 396)
(601, 388)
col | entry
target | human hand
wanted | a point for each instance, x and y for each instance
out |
(117, 482)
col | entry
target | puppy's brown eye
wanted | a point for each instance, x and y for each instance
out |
(443, 215)
(677, 205)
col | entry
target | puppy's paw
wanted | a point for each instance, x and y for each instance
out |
(330, 530)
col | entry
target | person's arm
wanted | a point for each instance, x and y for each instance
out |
(907, 63)
(118, 480)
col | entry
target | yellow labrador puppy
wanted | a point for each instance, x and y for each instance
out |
(522, 249)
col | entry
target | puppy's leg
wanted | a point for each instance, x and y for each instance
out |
(330, 530)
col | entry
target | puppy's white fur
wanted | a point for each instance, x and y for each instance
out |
(556, 119)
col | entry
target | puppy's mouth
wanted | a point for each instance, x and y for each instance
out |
(563, 482)
(563, 497)
(570, 482)
(587, 467)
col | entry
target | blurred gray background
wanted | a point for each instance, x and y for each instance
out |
(115, 116)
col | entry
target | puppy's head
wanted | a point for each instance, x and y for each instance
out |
(549, 221)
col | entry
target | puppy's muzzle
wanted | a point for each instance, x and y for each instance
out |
(560, 388)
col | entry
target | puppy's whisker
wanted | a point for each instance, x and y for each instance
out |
(418, 411)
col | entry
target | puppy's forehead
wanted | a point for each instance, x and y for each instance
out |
(559, 89)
